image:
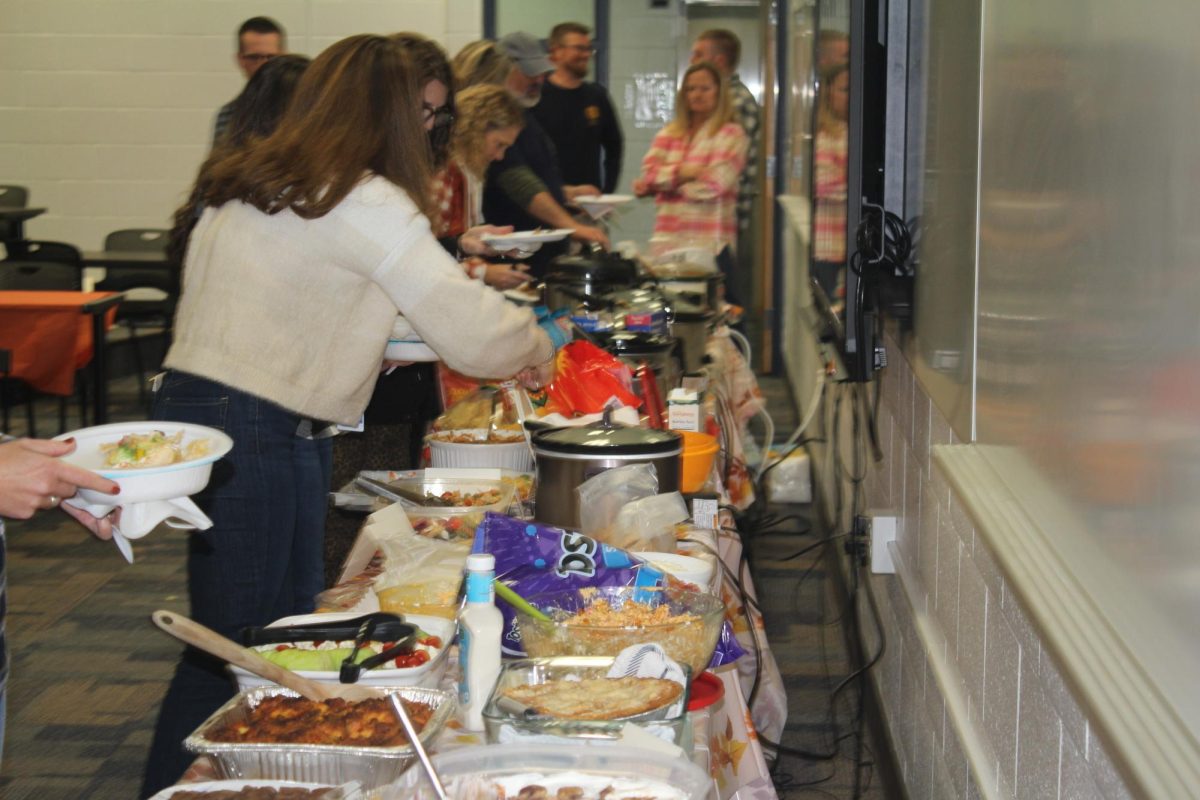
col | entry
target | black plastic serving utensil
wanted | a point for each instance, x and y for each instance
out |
(350, 672)
(387, 628)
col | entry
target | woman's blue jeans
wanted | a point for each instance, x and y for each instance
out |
(262, 559)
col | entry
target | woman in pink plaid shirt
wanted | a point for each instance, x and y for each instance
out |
(694, 162)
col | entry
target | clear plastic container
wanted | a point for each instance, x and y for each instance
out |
(466, 772)
(470, 500)
(666, 723)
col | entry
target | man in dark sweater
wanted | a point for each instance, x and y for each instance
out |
(577, 114)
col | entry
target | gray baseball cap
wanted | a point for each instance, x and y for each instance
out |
(528, 53)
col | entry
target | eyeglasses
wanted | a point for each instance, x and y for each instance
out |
(257, 58)
(441, 115)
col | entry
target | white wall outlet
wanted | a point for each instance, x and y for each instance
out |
(882, 531)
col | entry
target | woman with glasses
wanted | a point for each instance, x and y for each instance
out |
(311, 242)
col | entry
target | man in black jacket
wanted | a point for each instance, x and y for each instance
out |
(578, 115)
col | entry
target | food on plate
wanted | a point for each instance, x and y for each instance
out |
(596, 698)
(328, 656)
(567, 785)
(256, 793)
(154, 449)
(295, 720)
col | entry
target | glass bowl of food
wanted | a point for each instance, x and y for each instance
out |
(604, 620)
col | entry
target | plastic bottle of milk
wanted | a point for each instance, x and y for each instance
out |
(480, 626)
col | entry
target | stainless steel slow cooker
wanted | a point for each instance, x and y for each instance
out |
(587, 277)
(566, 457)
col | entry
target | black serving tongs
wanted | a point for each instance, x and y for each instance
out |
(384, 627)
(397, 494)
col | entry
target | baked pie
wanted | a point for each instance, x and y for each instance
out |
(596, 698)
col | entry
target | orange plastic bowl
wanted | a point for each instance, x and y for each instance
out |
(699, 450)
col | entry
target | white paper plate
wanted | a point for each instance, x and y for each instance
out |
(409, 350)
(213, 786)
(604, 199)
(511, 241)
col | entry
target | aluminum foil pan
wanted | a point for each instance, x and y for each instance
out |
(314, 763)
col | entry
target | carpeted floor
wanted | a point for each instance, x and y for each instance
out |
(89, 669)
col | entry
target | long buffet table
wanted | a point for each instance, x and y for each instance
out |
(726, 738)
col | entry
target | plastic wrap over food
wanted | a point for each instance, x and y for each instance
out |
(532, 558)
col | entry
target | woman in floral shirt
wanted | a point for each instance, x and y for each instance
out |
(694, 163)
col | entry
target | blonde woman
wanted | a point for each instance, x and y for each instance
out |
(489, 121)
(481, 62)
(694, 163)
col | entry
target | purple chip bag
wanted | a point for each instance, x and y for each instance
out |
(533, 558)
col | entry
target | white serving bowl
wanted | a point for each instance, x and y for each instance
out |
(503, 455)
(428, 675)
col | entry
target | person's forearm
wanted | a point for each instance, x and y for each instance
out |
(546, 208)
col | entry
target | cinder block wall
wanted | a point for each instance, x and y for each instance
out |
(975, 706)
(106, 106)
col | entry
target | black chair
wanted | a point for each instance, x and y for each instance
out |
(149, 305)
(45, 266)
(11, 197)
(14, 197)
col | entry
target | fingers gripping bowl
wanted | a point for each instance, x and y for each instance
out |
(603, 621)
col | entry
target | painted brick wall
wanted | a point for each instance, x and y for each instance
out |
(106, 106)
(974, 706)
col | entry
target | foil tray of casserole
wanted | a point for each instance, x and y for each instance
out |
(314, 763)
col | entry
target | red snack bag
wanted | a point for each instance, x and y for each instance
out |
(587, 378)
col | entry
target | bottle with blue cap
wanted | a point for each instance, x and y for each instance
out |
(480, 626)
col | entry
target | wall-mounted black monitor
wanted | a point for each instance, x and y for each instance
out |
(855, 156)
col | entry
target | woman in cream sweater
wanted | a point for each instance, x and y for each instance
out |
(311, 242)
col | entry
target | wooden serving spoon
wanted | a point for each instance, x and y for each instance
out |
(215, 644)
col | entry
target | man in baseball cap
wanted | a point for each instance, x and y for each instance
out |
(525, 188)
(525, 82)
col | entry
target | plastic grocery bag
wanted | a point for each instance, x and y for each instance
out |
(648, 524)
(420, 575)
(602, 496)
(587, 379)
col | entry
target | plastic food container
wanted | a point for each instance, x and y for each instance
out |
(428, 674)
(689, 640)
(232, 786)
(666, 723)
(470, 500)
(314, 763)
(353, 497)
(688, 569)
(666, 778)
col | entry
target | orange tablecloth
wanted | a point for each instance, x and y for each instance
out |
(49, 335)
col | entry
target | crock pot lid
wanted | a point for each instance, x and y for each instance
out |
(590, 267)
(612, 441)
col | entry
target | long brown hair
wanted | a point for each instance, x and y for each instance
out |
(721, 114)
(432, 64)
(356, 111)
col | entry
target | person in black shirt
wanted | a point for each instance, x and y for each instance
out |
(525, 189)
(577, 114)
